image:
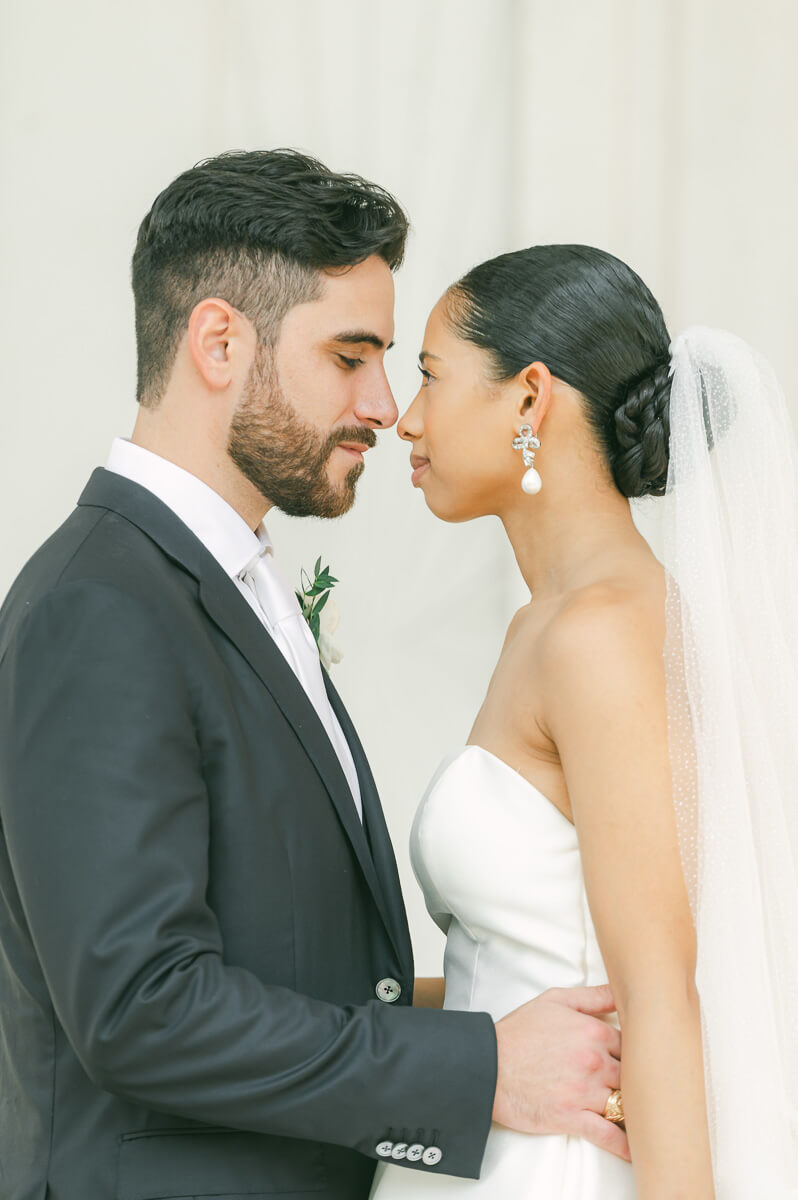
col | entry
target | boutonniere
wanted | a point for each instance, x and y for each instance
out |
(321, 616)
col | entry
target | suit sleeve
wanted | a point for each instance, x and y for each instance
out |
(106, 816)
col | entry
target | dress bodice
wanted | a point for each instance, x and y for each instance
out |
(501, 873)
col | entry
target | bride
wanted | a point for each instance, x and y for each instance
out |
(624, 808)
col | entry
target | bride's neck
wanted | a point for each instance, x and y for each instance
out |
(565, 537)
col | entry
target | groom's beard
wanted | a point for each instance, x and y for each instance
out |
(285, 458)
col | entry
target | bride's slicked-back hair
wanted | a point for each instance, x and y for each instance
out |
(254, 228)
(596, 326)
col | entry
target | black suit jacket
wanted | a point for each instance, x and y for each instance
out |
(193, 920)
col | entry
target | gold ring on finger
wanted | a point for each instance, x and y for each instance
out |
(613, 1109)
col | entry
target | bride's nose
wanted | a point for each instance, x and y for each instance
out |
(410, 425)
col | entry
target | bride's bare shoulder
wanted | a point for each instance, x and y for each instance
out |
(599, 626)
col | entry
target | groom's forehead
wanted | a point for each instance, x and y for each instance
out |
(355, 308)
(367, 286)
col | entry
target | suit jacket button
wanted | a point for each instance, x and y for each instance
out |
(388, 990)
(384, 1149)
(399, 1150)
(415, 1152)
(432, 1155)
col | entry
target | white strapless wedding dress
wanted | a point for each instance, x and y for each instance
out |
(501, 873)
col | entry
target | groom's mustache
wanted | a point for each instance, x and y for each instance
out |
(357, 434)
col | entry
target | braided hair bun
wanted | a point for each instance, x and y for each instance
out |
(642, 431)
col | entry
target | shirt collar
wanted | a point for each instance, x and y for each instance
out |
(216, 523)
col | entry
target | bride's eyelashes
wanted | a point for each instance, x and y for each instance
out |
(428, 377)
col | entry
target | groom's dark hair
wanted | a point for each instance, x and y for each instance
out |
(255, 228)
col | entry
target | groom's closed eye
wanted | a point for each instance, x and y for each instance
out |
(356, 337)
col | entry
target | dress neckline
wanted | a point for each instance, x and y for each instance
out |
(517, 775)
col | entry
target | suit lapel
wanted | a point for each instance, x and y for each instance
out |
(231, 613)
(381, 848)
(228, 609)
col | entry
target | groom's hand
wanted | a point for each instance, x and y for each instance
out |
(558, 1063)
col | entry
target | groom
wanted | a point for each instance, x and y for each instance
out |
(206, 977)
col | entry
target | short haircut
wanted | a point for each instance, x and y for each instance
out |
(255, 228)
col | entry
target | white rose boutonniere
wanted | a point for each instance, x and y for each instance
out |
(321, 616)
(328, 651)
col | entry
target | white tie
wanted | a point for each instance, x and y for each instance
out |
(291, 633)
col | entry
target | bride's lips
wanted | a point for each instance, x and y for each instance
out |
(419, 466)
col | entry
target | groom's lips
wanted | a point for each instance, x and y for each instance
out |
(356, 449)
(419, 466)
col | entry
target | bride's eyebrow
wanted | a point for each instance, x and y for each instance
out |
(425, 354)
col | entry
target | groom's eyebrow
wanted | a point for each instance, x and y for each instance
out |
(356, 337)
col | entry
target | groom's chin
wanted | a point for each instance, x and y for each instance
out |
(342, 493)
(335, 500)
(346, 493)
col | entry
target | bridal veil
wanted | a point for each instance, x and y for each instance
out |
(730, 536)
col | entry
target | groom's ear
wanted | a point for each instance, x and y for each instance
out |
(533, 395)
(221, 342)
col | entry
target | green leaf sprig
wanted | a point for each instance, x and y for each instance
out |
(314, 595)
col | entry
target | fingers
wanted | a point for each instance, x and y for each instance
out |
(611, 1075)
(586, 999)
(604, 1134)
(596, 1097)
(610, 1050)
(613, 1041)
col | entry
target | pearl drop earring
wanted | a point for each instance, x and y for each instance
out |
(527, 443)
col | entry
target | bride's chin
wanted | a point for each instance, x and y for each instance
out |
(441, 502)
(452, 514)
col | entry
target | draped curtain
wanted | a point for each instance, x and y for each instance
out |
(657, 129)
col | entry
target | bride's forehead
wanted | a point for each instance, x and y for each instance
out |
(437, 328)
(444, 344)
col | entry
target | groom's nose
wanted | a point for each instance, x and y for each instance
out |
(377, 406)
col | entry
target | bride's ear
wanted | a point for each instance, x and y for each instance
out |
(534, 394)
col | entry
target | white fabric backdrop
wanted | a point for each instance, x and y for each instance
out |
(659, 130)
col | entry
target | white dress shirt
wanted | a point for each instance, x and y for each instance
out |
(226, 535)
